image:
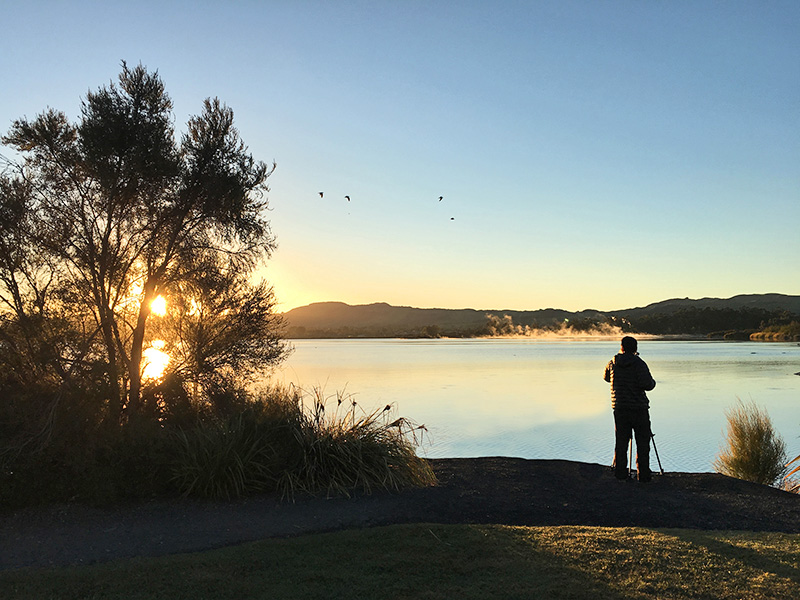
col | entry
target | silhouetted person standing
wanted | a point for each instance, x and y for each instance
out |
(630, 379)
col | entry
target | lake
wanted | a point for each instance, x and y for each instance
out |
(540, 398)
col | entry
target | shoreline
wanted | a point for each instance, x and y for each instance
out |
(556, 337)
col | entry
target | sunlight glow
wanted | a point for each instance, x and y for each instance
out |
(159, 306)
(155, 360)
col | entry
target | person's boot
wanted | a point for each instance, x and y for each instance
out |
(620, 466)
(622, 473)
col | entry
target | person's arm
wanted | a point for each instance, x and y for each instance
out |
(645, 378)
(607, 374)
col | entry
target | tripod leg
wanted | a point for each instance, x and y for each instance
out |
(653, 437)
(630, 459)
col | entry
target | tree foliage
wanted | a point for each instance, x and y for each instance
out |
(101, 216)
(221, 328)
(704, 321)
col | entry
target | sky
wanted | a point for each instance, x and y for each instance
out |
(589, 154)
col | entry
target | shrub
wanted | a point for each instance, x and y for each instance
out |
(55, 445)
(786, 332)
(755, 451)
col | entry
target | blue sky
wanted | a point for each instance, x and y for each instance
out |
(589, 154)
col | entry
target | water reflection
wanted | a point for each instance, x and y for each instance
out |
(546, 399)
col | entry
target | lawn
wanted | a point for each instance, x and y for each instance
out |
(455, 561)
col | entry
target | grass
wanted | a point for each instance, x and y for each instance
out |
(754, 450)
(455, 561)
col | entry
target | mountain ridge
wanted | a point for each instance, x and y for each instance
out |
(333, 318)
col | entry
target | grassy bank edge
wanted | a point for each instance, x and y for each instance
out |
(435, 561)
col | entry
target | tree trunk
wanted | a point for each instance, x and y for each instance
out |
(137, 349)
(115, 399)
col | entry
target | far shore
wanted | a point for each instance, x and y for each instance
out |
(642, 336)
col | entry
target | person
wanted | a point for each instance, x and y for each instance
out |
(630, 379)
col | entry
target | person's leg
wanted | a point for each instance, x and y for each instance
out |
(641, 427)
(622, 435)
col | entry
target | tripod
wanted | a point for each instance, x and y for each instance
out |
(630, 453)
(653, 437)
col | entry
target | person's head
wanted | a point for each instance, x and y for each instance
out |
(629, 345)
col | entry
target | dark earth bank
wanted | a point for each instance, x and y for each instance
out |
(498, 490)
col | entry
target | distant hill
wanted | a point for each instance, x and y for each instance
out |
(770, 302)
(337, 319)
(335, 315)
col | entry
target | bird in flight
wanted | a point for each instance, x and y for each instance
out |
(321, 194)
(440, 198)
(348, 198)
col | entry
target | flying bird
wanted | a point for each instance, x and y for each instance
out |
(452, 218)
(320, 194)
(348, 198)
(440, 198)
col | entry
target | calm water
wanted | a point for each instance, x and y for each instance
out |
(547, 399)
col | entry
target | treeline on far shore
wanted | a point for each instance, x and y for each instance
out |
(723, 323)
(712, 323)
(779, 333)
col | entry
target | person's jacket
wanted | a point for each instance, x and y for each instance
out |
(630, 379)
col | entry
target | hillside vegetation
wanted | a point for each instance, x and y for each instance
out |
(762, 316)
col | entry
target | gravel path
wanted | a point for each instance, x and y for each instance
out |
(481, 490)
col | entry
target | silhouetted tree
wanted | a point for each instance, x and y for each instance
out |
(103, 215)
(221, 329)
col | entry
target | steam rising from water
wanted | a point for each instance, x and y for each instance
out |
(504, 327)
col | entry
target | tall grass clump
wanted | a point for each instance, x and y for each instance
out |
(342, 448)
(224, 459)
(754, 451)
(287, 441)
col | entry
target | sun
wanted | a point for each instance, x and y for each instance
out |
(159, 306)
(155, 360)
